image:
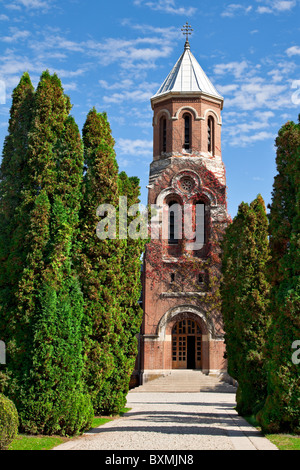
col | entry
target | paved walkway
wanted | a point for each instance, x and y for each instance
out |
(161, 419)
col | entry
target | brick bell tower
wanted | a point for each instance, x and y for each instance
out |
(182, 325)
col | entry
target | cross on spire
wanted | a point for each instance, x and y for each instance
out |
(186, 31)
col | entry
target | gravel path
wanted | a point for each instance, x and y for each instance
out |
(174, 421)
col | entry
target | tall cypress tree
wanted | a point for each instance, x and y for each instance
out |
(46, 348)
(245, 296)
(109, 270)
(130, 312)
(281, 412)
(99, 260)
(13, 177)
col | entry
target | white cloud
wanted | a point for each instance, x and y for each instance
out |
(253, 94)
(167, 6)
(167, 33)
(234, 9)
(62, 73)
(136, 147)
(226, 89)
(46, 49)
(134, 56)
(130, 54)
(256, 86)
(276, 6)
(29, 4)
(257, 93)
(255, 128)
(294, 50)
(141, 92)
(33, 3)
(12, 66)
(282, 70)
(72, 86)
(283, 5)
(263, 135)
(126, 83)
(126, 52)
(235, 68)
(264, 10)
(123, 162)
(16, 35)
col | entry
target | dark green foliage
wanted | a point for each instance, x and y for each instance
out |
(45, 344)
(107, 267)
(70, 333)
(284, 207)
(245, 293)
(98, 261)
(13, 177)
(9, 422)
(129, 313)
(281, 412)
(55, 386)
(130, 290)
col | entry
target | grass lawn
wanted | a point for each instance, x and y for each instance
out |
(27, 442)
(285, 441)
(282, 441)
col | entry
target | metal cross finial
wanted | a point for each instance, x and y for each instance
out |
(186, 30)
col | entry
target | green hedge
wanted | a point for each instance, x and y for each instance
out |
(9, 422)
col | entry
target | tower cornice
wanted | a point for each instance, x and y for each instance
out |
(187, 94)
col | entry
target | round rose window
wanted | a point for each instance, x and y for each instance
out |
(187, 184)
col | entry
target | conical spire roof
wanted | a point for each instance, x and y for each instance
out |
(187, 76)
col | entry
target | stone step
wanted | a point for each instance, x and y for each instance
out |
(186, 381)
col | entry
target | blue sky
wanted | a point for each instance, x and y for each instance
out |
(115, 54)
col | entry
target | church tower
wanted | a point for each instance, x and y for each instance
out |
(182, 324)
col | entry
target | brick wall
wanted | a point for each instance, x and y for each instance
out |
(173, 110)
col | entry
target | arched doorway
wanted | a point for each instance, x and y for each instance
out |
(186, 345)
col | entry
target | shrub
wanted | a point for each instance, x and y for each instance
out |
(9, 422)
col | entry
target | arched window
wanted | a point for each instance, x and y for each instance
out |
(200, 226)
(187, 131)
(174, 222)
(210, 135)
(163, 134)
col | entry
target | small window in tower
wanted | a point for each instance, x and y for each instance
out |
(163, 135)
(201, 278)
(200, 237)
(210, 136)
(187, 131)
(172, 277)
(174, 219)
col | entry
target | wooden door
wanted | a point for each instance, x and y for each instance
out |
(186, 345)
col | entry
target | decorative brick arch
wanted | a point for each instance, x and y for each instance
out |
(184, 316)
(211, 196)
(211, 112)
(174, 314)
(187, 108)
(161, 113)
